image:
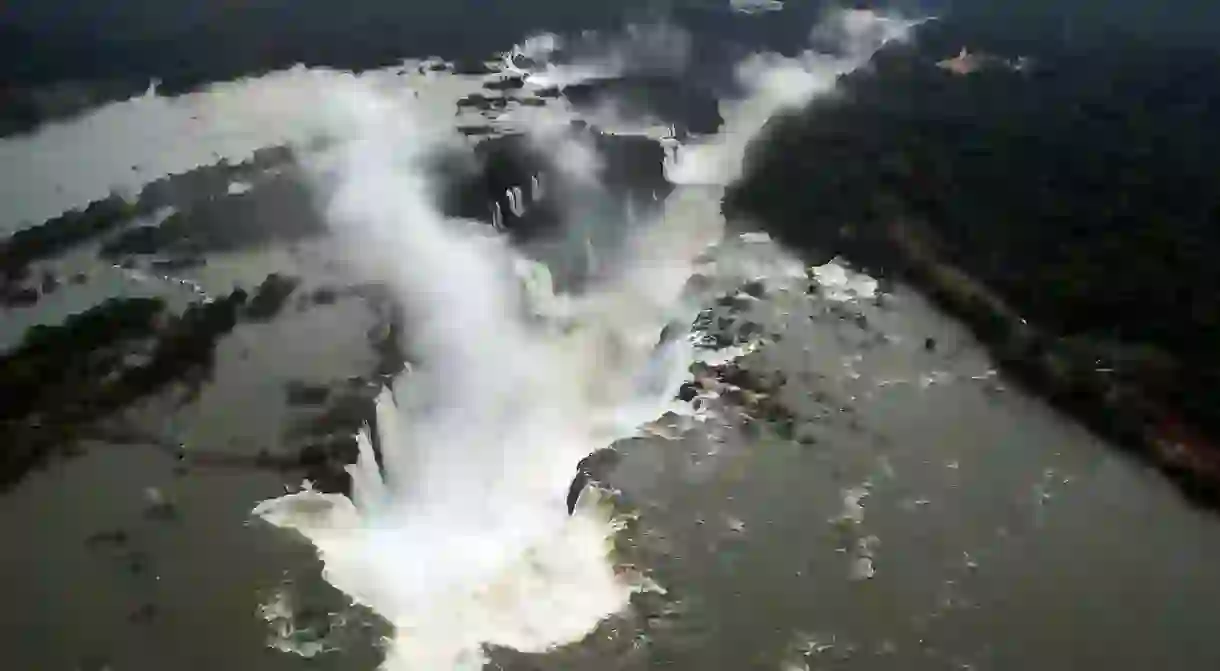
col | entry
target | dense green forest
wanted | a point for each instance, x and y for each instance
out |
(1078, 190)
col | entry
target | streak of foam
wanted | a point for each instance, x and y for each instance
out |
(756, 6)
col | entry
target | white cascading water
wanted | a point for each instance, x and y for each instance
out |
(515, 202)
(462, 538)
(497, 216)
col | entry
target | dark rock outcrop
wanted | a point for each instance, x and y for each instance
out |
(477, 100)
(505, 83)
(16, 296)
(673, 100)
(177, 263)
(301, 393)
(271, 296)
(476, 131)
(471, 66)
(507, 168)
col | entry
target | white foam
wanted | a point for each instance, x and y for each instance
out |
(836, 282)
(236, 188)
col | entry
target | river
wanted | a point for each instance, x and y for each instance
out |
(908, 509)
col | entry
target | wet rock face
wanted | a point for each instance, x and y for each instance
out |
(15, 296)
(471, 66)
(512, 184)
(476, 131)
(502, 164)
(324, 461)
(505, 83)
(271, 296)
(673, 100)
(481, 102)
(324, 437)
(633, 164)
(49, 282)
(324, 296)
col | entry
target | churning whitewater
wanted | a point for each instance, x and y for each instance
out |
(460, 537)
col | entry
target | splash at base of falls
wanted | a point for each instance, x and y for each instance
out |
(552, 592)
